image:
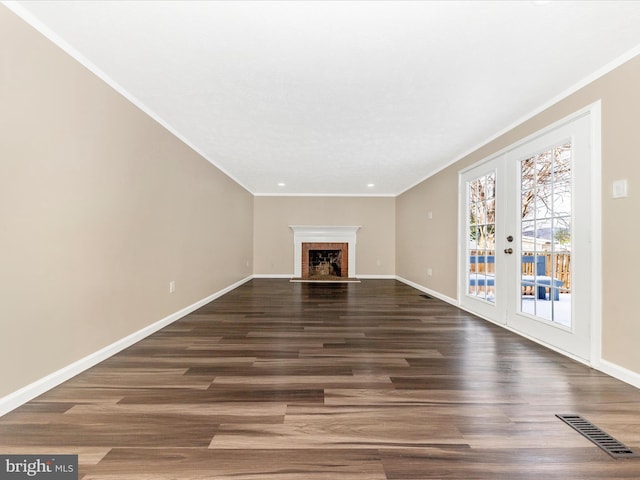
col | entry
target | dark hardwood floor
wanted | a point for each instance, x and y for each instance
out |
(371, 380)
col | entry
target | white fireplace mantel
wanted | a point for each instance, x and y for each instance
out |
(323, 234)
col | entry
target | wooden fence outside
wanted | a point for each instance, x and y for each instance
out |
(559, 268)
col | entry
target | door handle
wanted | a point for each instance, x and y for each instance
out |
(508, 251)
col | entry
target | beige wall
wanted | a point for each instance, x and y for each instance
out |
(100, 208)
(273, 239)
(420, 242)
(426, 243)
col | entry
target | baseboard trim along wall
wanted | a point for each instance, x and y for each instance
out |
(376, 277)
(621, 373)
(428, 291)
(273, 275)
(31, 391)
(291, 275)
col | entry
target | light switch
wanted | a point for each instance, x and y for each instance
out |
(619, 189)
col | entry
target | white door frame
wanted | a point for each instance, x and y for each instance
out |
(595, 270)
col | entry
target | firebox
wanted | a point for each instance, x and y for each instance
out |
(325, 260)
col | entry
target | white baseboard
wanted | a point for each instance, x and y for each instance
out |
(273, 275)
(376, 277)
(428, 291)
(31, 391)
(621, 373)
(290, 275)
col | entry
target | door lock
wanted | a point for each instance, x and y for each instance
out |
(508, 251)
(510, 238)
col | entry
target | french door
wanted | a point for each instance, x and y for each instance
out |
(525, 258)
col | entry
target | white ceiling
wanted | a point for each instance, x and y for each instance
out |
(328, 97)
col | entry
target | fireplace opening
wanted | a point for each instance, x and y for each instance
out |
(325, 260)
(325, 263)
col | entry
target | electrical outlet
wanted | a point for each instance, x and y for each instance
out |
(172, 286)
(429, 272)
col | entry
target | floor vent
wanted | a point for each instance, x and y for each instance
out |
(602, 439)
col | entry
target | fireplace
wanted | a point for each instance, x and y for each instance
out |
(324, 252)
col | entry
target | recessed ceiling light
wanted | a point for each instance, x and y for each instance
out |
(281, 184)
(371, 185)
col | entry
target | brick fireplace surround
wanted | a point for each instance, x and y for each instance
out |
(322, 237)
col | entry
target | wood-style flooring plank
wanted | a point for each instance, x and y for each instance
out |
(266, 464)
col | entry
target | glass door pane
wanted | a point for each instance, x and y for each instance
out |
(481, 228)
(545, 233)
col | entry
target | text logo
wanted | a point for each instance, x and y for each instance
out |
(50, 467)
